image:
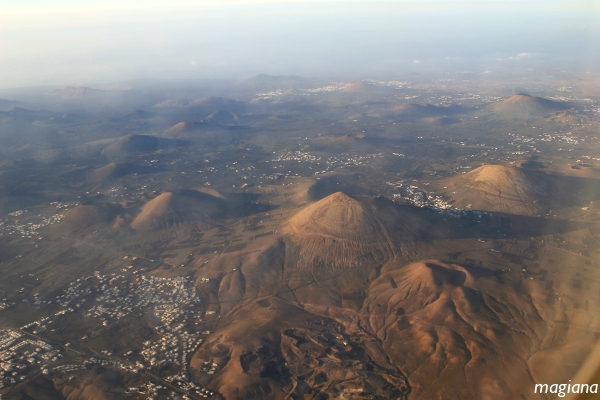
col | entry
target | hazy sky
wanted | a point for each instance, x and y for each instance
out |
(94, 41)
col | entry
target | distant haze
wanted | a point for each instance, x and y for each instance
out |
(85, 42)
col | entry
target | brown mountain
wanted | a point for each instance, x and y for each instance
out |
(183, 207)
(90, 214)
(358, 87)
(569, 118)
(221, 117)
(337, 230)
(137, 115)
(132, 144)
(107, 173)
(503, 189)
(112, 171)
(138, 144)
(524, 106)
(449, 325)
(181, 127)
(169, 103)
(426, 329)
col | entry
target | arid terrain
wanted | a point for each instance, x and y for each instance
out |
(278, 237)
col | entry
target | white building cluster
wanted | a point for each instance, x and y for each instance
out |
(5, 304)
(299, 156)
(108, 298)
(421, 199)
(21, 356)
(521, 140)
(12, 224)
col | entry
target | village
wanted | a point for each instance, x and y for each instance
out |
(22, 357)
(12, 223)
(104, 300)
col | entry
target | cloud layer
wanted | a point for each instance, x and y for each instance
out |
(85, 42)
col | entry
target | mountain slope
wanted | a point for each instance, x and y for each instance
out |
(524, 106)
(460, 328)
(221, 117)
(137, 144)
(503, 189)
(339, 231)
(183, 207)
(113, 171)
(358, 87)
(90, 214)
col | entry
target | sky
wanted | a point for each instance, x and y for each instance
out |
(86, 42)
